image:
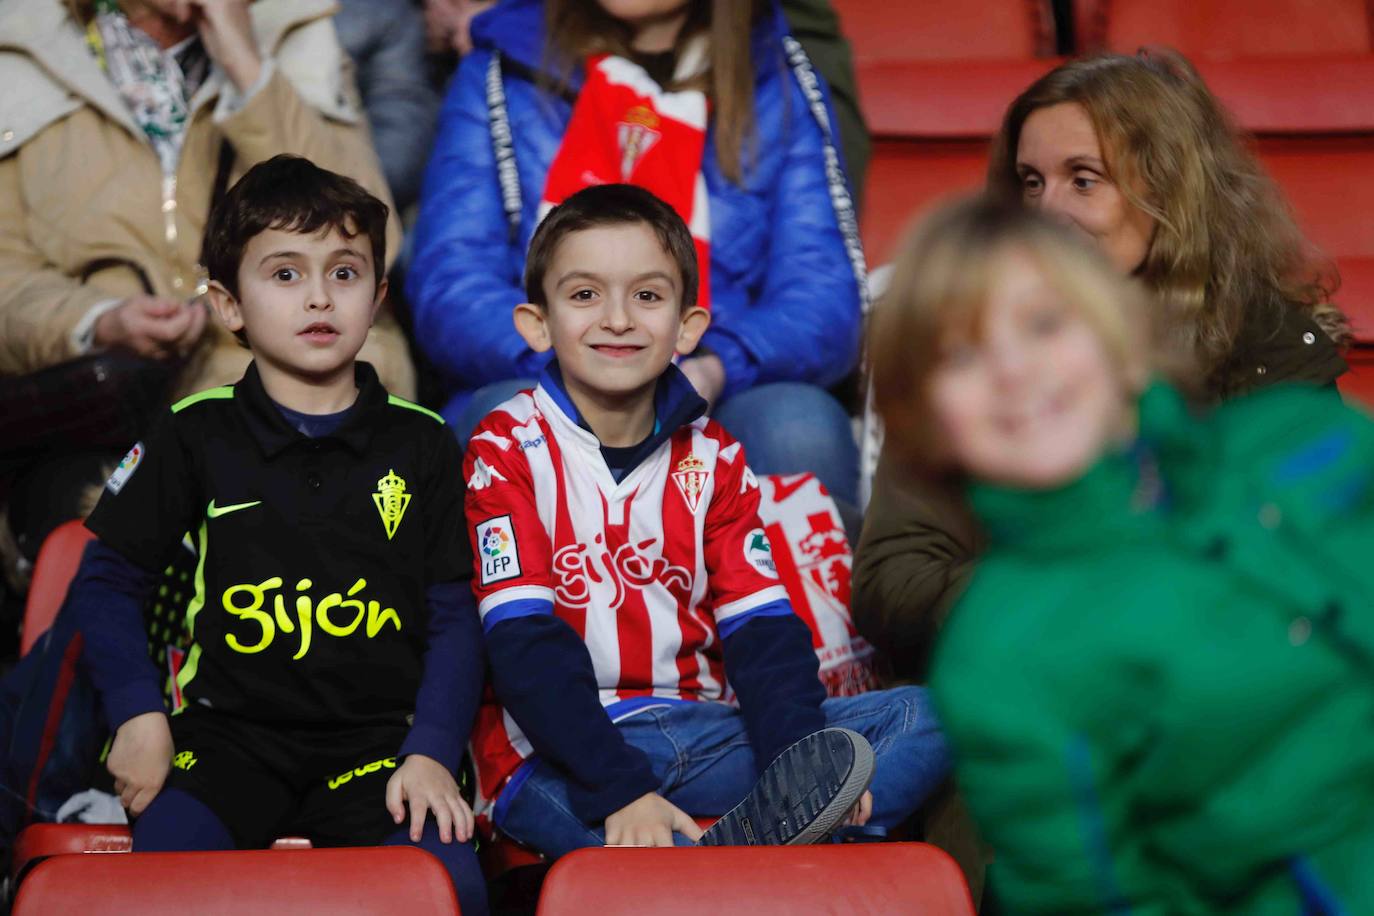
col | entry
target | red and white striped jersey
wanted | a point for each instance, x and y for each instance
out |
(652, 572)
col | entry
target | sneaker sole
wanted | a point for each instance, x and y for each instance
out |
(802, 796)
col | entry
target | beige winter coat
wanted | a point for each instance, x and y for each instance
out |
(79, 182)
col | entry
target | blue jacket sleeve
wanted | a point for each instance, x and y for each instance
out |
(451, 682)
(466, 274)
(107, 598)
(804, 324)
(544, 678)
(771, 664)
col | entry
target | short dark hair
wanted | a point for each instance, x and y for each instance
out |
(611, 205)
(291, 194)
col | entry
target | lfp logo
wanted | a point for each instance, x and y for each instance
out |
(495, 542)
(500, 553)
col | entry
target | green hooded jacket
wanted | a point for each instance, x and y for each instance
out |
(1159, 685)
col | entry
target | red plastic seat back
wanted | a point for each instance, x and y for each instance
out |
(910, 878)
(58, 559)
(881, 30)
(394, 879)
(1224, 29)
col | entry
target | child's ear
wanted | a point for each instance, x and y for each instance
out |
(377, 300)
(692, 325)
(225, 306)
(532, 324)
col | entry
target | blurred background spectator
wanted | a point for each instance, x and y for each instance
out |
(386, 40)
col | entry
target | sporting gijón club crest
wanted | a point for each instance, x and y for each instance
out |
(691, 476)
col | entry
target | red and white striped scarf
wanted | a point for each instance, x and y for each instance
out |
(625, 128)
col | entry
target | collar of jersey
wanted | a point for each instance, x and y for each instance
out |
(676, 403)
(274, 433)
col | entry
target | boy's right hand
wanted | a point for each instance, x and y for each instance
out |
(139, 759)
(649, 820)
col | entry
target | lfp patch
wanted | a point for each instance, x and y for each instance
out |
(126, 469)
(499, 553)
(759, 553)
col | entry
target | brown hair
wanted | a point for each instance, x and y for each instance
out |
(578, 28)
(291, 194)
(1225, 242)
(611, 205)
(942, 276)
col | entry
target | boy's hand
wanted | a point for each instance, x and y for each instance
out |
(649, 820)
(861, 812)
(428, 786)
(140, 757)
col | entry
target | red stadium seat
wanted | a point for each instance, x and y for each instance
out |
(41, 841)
(58, 559)
(1281, 66)
(1229, 29)
(394, 879)
(909, 878)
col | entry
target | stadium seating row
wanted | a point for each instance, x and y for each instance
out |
(896, 877)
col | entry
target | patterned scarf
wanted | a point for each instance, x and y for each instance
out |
(625, 128)
(156, 85)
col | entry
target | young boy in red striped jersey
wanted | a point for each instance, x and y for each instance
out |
(646, 662)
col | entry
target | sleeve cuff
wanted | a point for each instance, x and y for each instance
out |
(593, 805)
(132, 699)
(83, 335)
(433, 742)
(231, 100)
(740, 370)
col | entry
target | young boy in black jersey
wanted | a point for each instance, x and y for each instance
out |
(335, 665)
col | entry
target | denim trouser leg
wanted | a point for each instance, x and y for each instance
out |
(911, 757)
(701, 754)
(791, 427)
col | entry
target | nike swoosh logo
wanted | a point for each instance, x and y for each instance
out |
(213, 511)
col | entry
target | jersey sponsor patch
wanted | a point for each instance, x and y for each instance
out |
(759, 553)
(126, 469)
(497, 550)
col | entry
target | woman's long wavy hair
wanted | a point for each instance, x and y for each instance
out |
(1226, 242)
(578, 28)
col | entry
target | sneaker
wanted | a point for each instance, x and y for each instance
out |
(802, 796)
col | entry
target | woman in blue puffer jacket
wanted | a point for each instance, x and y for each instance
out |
(786, 269)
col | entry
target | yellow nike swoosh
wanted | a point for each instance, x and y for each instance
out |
(213, 511)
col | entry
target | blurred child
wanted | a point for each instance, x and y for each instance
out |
(628, 591)
(1160, 682)
(336, 662)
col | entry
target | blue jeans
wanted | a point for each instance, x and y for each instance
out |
(702, 757)
(791, 427)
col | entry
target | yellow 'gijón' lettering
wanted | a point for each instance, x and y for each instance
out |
(253, 611)
(308, 615)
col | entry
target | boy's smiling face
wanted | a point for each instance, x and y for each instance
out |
(614, 317)
(305, 303)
